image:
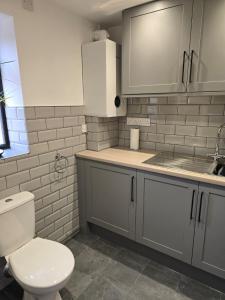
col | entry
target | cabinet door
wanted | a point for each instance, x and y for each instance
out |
(155, 38)
(166, 211)
(209, 242)
(111, 197)
(207, 46)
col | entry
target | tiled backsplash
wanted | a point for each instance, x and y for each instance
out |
(50, 129)
(102, 133)
(180, 124)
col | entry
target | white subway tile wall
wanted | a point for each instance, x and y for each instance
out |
(102, 133)
(178, 124)
(50, 129)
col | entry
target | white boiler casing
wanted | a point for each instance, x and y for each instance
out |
(102, 79)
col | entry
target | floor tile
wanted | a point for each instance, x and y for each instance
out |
(222, 297)
(162, 275)
(121, 275)
(102, 289)
(197, 291)
(146, 288)
(156, 282)
(91, 262)
(3, 280)
(86, 238)
(66, 295)
(125, 268)
(76, 247)
(78, 283)
(12, 292)
(106, 247)
(132, 260)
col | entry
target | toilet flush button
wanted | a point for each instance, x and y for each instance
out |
(8, 200)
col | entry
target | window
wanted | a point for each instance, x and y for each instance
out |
(4, 135)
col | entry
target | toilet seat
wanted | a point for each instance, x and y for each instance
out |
(41, 264)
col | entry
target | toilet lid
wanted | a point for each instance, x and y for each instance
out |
(42, 263)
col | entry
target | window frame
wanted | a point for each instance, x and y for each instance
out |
(6, 145)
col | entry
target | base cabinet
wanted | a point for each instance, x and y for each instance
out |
(165, 215)
(209, 242)
(180, 218)
(111, 198)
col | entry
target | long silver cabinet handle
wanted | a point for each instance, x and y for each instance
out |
(192, 204)
(191, 66)
(132, 188)
(200, 207)
(184, 56)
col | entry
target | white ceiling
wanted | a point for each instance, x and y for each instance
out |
(106, 12)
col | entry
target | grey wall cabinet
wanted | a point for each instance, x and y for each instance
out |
(209, 242)
(111, 197)
(156, 40)
(207, 44)
(166, 211)
(170, 48)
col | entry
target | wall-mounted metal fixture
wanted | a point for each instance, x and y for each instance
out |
(217, 154)
(60, 166)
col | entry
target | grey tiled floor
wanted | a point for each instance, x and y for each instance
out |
(106, 271)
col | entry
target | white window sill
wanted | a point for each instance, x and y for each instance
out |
(10, 153)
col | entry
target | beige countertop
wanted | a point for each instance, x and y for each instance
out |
(135, 159)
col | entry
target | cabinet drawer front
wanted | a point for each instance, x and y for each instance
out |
(164, 211)
(155, 37)
(207, 42)
(111, 198)
(209, 242)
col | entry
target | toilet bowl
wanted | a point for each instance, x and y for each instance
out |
(41, 267)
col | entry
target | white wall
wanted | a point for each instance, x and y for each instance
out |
(49, 50)
(10, 69)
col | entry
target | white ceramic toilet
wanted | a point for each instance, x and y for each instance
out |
(41, 267)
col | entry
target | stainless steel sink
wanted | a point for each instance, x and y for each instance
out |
(185, 162)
